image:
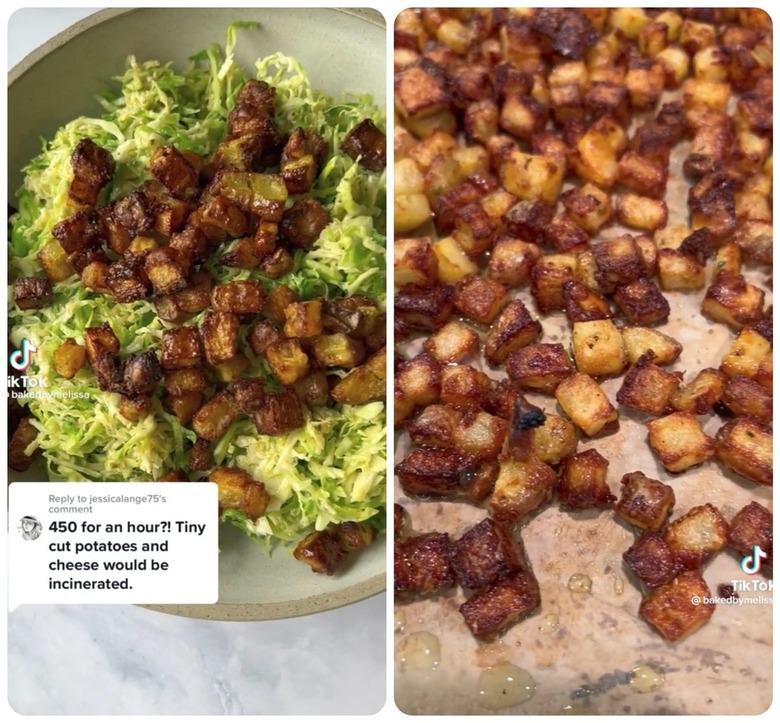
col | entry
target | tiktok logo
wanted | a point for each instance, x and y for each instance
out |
(21, 358)
(751, 563)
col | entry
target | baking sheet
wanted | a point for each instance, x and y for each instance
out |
(580, 648)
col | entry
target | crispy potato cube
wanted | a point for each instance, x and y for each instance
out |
(433, 472)
(584, 402)
(583, 481)
(647, 387)
(54, 261)
(279, 298)
(679, 441)
(521, 487)
(480, 435)
(238, 297)
(249, 394)
(68, 358)
(588, 206)
(670, 610)
(513, 329)
(287, 360)
(745, 397)
(731, 300)
(701, 394)
(675, 63)
(554, 440)
(420, 379)
(196, 296)
(163, 270)
(522, 116)
(678, 271)
(512, 260)
(281, 413)
(435, 426)
(630, 21)
(748, 352)
(754, 238)
(479, 299)
(531, 177)
(744, 445)
(539, 367)
(337, 350)
(697, 536)
(238, 491)
(303, 319)
(99, 341)
(652, 560)
(231, 369)
(219, 332)
(24, 435)
(212, 420)
(141, 373)
(454, 342)
(708, 93)
(490, 611)
(639, 340)
(527, 220)
(422, 564)
(31, 292)
(644, 502)
(645, 176)
(584, 304)
(548, 277)
(640, 212)
(485, 554)
(598, 348)
(420, 91)
(364, 384)
(463, 386)
(452, 262)
(262, 335)
(619, 261)
(183, 381)
(752, 526)
(414, 262)
(565, 235)
(321, 551)
(642, 302)
(595, 154)
(134, 408)
(183, 406)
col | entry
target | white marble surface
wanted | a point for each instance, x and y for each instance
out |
(127, 660)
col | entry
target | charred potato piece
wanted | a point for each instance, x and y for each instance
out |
(238, 491)
(588, 206)
(32, 292)
(141, 373)
(652, 560)
(539, 367)
(420, 91)
(303, 319)
(639, 340)
(745, 446)
(420, 379)
(642, 302)
(163, 271)
(321, 551)
(584, 402)
(422, 564)
(302, 157)
(647, 387)
(280, 414)
(175, 171)
(548, 277)
(238, 297)
(731, 300)
(463, 386)
(598, 348)
(480, 435)
(643, 175)
(513, 329)
(219, 332)
(745, 397)
(200, 457)
(366, 144)
(126, 279)
(279, 298)
(364, 384)
(752, 526)
(679, 441)
(433, 472)
(521, 487)
(303, 222)
(485, 554)
(212, 420)
(134, 408)
(24, 435)
(93, 168)
(68, 358)
(644, 502)
(619, 261)
(697, 536)
(479, 299)
(584, 304)
(287, 360)
(670, 610)
(583, 481)
(262, 335)
(181, 348)
(424, 309)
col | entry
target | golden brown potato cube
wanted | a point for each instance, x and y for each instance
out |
(435, 426)
(303, 319)
(652, 560)
(642, 212)
(426, 151)
(678, 271)
(287, 360)
(321, 551)
(183, 406)
(238, 297)
(595, 154)
(54, 261)
(480, 435)
(755, 239)
(134, 408)
(364, 384)
(68, 358)
(420, 379)
(183, 381)
(281, 413)
(480, 120)
(279, 298)
(212, 420)
(584, 304)
(630, 21)
(512, 260)
(644, 502)
(747, 354)
(24, 435)
(745, 446)
(231, 369)
(181, 348)
(642, 302)
(100, 340)
(435, 472)
(645, 81)
(164, 272)
(454, 342)
(463, 386)
(670, 610)
(745, 397)
(548, 278)
(522, 116)
(485, 554)
(679, 441)
(588, 206)
(752, 526)
(94, 277)
(420, 91)
(731, 300)
(648, 388)
(531, 177)
(583, 481)
(521, 487)
(697, 536)
(453, 263)
(414, 262)
(249, 394)
(701, 394)
(513, 329)
(584, 402)
(262, 335)
(565, 235)
(127, 279)
(337, 350)
(639, 340)
(598, 348)
(238, 491)
(422, 564)
(31, 292)
(645, 176)
(479, 299)
(554, 440)
(219, 331)
(196, 296)
(539, 367)
(698, 92)
(619, 261)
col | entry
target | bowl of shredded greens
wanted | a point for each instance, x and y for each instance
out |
(197, 256)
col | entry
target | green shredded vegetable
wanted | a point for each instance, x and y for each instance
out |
(331, 470)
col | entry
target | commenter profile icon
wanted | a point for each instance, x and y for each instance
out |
(30, 527)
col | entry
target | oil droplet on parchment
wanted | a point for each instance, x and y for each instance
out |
(489, 655)
(646, 679)
(549, 623)
(399, 621)
(579, 582)
(505, 685)
(420, 651)
(618, 587)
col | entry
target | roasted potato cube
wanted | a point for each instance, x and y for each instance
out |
(588, 206)
(200, 457)
(527, 220)
(219, 332)
(748, 353)
(184, 381)
(584, 402)
(54, 262)
(488, 612)
(697, 536)
(337, 350)
(554, 440)
(415, 262)
(453, 263)
(652, 560)
(701, 394)
(183, 406)
(302, 157)
(630, 21)
(321, 551)
(68, 358)
(231, 369)
(512, 260)
(647, 387)
(584, 304)
(513, 329)
(644, 502)
(598, 348)
(249, 394)
(675, 63)
(23, 437)
(548, 277)
(238, 491)
(420, 379)
(127, 280)
(678, 271)
(639, 340)
(642, 212)
(423, 309)
(522, 116)
(422, 564)
(679, 441)
(565, 235)
(479, 299)
(540, 367)
(531, 177)
(619, 261)
(141, 373)
(262, 335)
(303, 222)
(642, 302)
(281, 413)
(94, 275)
(485, 554)
(754, 238)
(583, 481)
(645, 176)
(594, 158)
(287, 360)
(764, 325)
(32, 292)
(420, 91)
(134, 408)
(521, 487)
(435, 426)
(454, 342)
(670, 610)
(745, 446)
(745, 397)
(93, 168)
(433, 472)
(303, 319)
(364, 384)
(175, 171)
(751, 527)
(480, 435)
(731, 300)
(181, 348)
(101, 340)
(163, 270)
(212, 420)
(238, 297)
(464, 387)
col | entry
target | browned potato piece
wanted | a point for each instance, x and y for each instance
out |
(454, 342)
(745, 446)
(127, 280)
(642, 212)
(231, 369)
(521, 487)
(584, 304)
(748, 352)
(652, 560)
(644, 502)
(338, 350)
(642, 302)
(598, 348)
(422, 564)
(513, 329)
(303, 319)
(212, 420)
(24, 435)
(287, 360)
(141, 373)
(434, 472)
(639, 340)
(697, 536)
(423, 309)
(183, 406)
(565, 235)
(643, 175)
(238, 297)
(281, 413)
(303, 222)
(485, 554)
(54, 262)
(618, 261)
(678, 271)
(321, 551)
(200, 457)
(512, 260)
(480, 435)
(584, 402)
(539, 367)
(463, 386)
(435, 426)
(583, 481)
(745, 397)
(196, 296)
(219, 332)
(278, 299)
(68, 358)
(183, 381)
(238, 491)
(701, 394)
(752, 526)
(420, 91)
(420, 379)
(93, 168)
(647, 387)
(262, 335)
(180, 348)
(364, 384)
(164, 272)
(554, 440)
(414, 262)
(175, 171)
(531, 177)
(31, 292)
(594, 158)
(548, 277)
(134, 408)
(679, 441)
(670, 610)
(588, 206)
(479, 299)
